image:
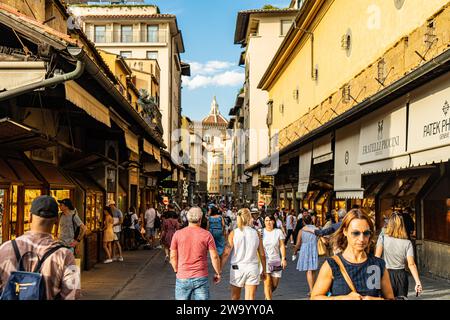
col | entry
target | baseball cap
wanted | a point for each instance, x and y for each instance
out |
(111, 202)
(254, 210)
(45, 207)
(67, 203)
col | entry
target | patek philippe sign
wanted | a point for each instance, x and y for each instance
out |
(429, 118)
(383, 136)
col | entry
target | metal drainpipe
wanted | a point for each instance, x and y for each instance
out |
(75, 52)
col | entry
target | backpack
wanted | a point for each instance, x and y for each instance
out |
(157, 223)
(76, 229)
(127, 220)
(23, 285)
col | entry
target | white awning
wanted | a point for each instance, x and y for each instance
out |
(347, 177)
(83, 100)
(15, 74)
(255, 179)
(304, 168)
(322, 151)
(352, 194)
(132, 142)
(391, 164)
(436, 155)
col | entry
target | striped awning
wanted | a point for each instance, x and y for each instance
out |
(83, 100)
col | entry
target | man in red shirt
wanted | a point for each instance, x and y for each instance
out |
(189, 259)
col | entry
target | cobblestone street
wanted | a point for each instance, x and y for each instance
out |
(145, 276)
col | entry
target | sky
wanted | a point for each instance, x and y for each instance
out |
(208, 28)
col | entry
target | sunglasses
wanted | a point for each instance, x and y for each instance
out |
(366, 234)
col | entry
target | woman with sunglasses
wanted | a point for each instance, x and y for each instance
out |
(354, 274)
(396, 250)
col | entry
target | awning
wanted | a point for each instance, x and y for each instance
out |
(166, 164)
(16, 74)
(322, 151)
(405, 186)
(304, 167)
(85, 182)
(347, 176)
(152, 150)
(386, 165)
(84, 100)
(382, 142)
(13, 169)
(19, 137)
(255, 179)
(53, 175)
(132, 142)
(427, 157)
(429, 123)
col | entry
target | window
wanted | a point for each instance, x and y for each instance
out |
(100, 34)
(152, 55)
(152, 34)
(126, 33)
(125, 54)
(285, 25)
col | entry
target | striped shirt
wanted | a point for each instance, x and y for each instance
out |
(60, 273)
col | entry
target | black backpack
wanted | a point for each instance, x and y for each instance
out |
(76, 229)
(24, 285)
(157, 223)
(127, 220)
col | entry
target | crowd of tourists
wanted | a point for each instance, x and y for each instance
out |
(255, 241)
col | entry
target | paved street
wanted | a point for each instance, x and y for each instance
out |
(145, 276)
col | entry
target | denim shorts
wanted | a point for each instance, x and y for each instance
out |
(192, 289)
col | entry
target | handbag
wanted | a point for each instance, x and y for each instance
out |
(347, 278)
(321, 247)
(274, 265)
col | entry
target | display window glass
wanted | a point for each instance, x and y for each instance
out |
(13, 212)
(3, 193)
(30, 195)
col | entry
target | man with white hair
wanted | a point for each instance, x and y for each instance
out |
(189, 259)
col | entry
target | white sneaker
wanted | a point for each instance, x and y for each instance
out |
(108, 261)
(120, 259)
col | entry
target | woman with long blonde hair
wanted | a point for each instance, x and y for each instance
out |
(397, 249)
(247, 244)
(353, 274)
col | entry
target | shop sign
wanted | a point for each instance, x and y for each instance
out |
(45, 155)
(383, 136)
(347, 177)
(304, 168)
(429, 118)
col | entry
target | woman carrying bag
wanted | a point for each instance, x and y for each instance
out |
(354, 274)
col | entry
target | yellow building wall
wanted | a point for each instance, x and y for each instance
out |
(376, 26)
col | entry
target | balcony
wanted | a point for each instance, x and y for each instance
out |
(134, 37)
(150, 112)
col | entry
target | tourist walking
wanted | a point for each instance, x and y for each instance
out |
(59, 272)
(150, 230)
(275, 251)
(189, 259)
(291, 221)
(308, 258)
(170, 226)
(246, 244)
(71, 229)
(367, 276)
(396, 249)
(216, 225)
(118, 220)
(108, 234)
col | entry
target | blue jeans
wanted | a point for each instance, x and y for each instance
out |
(192, 289)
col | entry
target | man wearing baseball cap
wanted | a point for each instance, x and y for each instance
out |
(59, 270)
(69, 222)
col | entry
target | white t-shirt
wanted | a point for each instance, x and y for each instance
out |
(290, 222)
(134, 219)
(150, 216)
(271, 242)
(245, 246)
(279, 224)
